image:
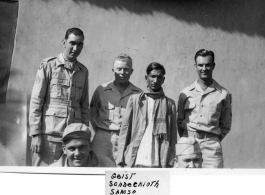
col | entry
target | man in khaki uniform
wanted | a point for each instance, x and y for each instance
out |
(108, 107)
(59, 98)
(188, 153)
(204, 111)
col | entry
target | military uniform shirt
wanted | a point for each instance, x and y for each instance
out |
(208, 110)
(59, 97)
(108, 106)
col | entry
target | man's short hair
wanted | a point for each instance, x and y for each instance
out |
(155, 66)
(123, 57)
(75, 31)
(203, 53)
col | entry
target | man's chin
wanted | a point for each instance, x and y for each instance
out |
(79, 164)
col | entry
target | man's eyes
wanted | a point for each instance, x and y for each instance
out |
(71, 149)
(159, 77)
(74, 43)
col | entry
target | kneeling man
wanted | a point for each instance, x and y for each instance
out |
(188, 153)
(77, 149)
(148, 132)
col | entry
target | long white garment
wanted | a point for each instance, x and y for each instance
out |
(148, 152)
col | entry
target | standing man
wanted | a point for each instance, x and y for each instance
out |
(148, 134)
(59, 98)
(204, 111)
(108, 106)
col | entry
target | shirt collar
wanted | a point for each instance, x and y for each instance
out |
(213, 86)
(61, 61)
(112, 87)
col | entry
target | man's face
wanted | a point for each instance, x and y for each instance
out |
(73, 46)
(77, 152)
(122, 71)
(204, 67)
(154, 80)
(189, 161)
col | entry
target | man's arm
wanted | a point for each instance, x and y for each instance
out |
(94, 108)
(84, 102)
(225, 121)
(173, 137)
(36, 105)
(181, 114)
(125, 133)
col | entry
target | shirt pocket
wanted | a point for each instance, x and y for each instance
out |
(108, 111)
(214, 113)
(54, 120)
(59, 88)
(79, 86)
(189, 105)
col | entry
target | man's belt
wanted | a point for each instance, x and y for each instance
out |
(69, 103)
(199, 134)
(110, 131)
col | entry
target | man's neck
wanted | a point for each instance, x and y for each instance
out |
(205, 84)
(121, 86)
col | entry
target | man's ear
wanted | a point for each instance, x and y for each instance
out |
(146, 76)
(131, 71)
(63, 42)
(64, 150)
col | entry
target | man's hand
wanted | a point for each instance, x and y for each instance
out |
(37, 144)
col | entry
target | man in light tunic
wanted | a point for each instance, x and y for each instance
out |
(59, 98)
(204, 111)
(148, 133)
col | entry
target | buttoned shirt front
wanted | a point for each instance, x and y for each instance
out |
(59, 97)
(208, 110)
(107, 106)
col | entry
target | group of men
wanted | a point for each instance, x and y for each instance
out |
(133, 127)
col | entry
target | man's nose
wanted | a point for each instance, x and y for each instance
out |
(122, 71)
(77, 152)
(203, 67)
(75, 47)
(155, 80)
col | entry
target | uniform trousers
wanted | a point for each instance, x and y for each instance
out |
(211, 149)
(51, 152)
(105, 143)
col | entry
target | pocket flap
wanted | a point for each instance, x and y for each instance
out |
(79, 84)
(108, 106)
(190, 105)
(58, 112)
(60, 82)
